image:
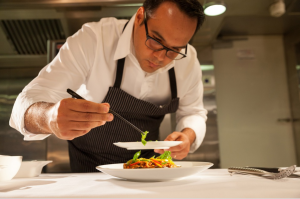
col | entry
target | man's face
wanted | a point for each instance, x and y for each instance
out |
(168, 25)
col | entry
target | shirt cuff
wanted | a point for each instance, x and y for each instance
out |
(197, 123)
(31, 136)
(28, 136)
(17, 118)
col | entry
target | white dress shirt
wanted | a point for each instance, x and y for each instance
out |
(86, 63)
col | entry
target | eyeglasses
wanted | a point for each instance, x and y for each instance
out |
(155, 45)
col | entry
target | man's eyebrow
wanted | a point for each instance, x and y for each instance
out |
(162, 38)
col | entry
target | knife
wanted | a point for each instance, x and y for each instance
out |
(75, 95)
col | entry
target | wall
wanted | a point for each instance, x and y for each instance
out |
(12, 80)
(292, 52)
(252, 94)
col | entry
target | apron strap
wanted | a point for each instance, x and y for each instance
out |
(173, 84)
(120, 67)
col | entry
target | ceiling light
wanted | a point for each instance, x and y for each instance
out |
(214, 8)
(277, 9)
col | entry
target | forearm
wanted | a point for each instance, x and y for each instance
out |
(190, 134)
(37, 117)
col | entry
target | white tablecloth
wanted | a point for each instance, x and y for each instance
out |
(210, 183)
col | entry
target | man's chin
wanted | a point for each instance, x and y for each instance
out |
(149, 69)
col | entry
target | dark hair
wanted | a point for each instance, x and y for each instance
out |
(191, 8)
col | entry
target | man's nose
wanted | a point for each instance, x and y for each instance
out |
(160, 55)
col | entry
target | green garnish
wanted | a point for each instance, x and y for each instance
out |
(136, 155)
(166, 155)
(144, 137)
(145, 160)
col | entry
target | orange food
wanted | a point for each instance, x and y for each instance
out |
(149, 163)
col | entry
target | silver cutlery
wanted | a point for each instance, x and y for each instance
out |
(281, 173)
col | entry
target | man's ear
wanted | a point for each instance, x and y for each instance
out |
(139, 18)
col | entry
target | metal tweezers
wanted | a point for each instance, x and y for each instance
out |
(75, 95)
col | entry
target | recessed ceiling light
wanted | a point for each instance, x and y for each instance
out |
(214, 8)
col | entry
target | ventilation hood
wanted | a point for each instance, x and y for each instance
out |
(27, 25)
(64, 3)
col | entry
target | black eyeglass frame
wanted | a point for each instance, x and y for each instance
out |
(164, 47)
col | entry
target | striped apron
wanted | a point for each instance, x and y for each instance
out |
(97, 148)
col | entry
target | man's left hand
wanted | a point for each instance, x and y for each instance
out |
(187, 136)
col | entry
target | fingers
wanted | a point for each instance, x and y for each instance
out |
(179, 147)
(160, 151)
(82, 110)
(79, 126)
(72, 130)
(178, 156)
(180, 151)
(92, 117)
(80, 105)
(70, 135)
(84, 125)
(71, 118)
(173, 136)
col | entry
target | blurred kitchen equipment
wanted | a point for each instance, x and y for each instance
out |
(9, 166)
(278, 175)
(31, 169)
(75, 95)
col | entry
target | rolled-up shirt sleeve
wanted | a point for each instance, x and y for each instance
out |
(67, 70)
(191, 113)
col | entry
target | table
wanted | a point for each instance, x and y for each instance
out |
(210, 183)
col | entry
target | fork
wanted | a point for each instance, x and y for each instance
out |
(248, 170)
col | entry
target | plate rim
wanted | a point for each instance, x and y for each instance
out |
(148, 141)
(168, 174)
(176, 162)
(151, 144)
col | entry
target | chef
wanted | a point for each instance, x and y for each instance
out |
(142, 69)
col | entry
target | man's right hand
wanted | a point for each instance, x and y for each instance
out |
(69, 118)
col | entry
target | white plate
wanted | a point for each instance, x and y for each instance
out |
(155, 174)
(149, 145)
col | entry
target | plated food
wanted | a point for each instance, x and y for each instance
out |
(162, 161)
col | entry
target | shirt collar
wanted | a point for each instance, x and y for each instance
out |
(125, 47)
(124, 44)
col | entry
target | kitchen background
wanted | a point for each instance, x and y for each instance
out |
(250, 62)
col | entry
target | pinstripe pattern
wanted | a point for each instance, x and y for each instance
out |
(96, 147)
